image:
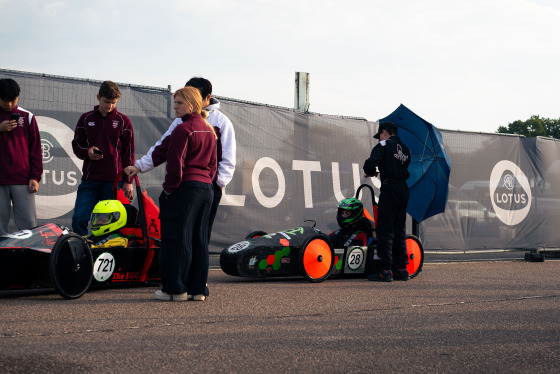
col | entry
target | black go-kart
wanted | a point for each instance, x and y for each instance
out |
(306, 251)
(51, 256)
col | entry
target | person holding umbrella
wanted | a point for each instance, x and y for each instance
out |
(392, 158)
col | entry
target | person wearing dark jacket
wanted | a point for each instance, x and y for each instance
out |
(21, 160)
(186, 200)
(104, 139)
(392, 158)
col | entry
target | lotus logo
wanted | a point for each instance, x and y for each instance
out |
(46, 147)
(511, 192)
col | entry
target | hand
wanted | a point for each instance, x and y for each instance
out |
(371, 176)
(8, 125)
(33, 186)
(92, 155)
(131, 171)
(128, 191)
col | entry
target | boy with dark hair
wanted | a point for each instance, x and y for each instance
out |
(104, 139)
(21, 160)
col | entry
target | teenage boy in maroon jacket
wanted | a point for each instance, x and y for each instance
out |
(104, 139)
(21, 162)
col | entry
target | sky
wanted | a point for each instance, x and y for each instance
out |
(462, 65)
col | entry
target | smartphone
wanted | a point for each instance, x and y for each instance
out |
(14, 117)
(97, 152)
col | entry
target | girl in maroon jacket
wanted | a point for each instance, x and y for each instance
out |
(190, 153)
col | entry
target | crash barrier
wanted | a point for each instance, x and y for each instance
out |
(504, 191)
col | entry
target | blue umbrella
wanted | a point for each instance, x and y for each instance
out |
(429, 167)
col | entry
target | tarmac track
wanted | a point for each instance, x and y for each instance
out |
(456, 316)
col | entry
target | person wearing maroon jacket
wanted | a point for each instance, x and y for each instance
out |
(21, 160)
(104, 139)
(186, 199)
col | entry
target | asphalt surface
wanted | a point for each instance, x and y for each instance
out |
(468, 315)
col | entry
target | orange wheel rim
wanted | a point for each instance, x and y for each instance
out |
(317, 258)
(414, 255)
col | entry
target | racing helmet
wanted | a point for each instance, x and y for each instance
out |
(107, 216)
(349, 212)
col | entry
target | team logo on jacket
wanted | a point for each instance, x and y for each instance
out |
(511, 192)
(115, 124)
(400, 155)
(91, 123)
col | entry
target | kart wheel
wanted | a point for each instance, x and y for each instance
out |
(415, 255)
(255, 234)
(316, 259)
(71, 266)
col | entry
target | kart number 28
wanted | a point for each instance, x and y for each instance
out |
(355, 258)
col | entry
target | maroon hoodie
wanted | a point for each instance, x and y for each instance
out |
(113, 135)
(21, 158)
(190, 153)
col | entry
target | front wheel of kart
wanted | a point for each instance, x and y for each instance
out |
(71, 266)
(255, 234)
(415, 255)
(316, 259)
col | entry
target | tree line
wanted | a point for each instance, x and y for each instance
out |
(534, 126)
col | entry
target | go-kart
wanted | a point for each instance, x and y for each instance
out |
(307, 251)
(51, 255)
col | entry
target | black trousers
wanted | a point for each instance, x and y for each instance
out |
(183, 258)
(391, 225)
(214, 209)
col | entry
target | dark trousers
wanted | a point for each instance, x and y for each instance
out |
(214, 209)
(183, 258)
(391, 225)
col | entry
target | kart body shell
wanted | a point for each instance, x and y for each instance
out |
(51, 255)
(307, 251)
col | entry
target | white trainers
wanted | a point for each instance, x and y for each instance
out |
(164, 296)
(199, 298)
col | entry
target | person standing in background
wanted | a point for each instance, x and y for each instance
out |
(104, 139)
(392, 157)
(21, 160)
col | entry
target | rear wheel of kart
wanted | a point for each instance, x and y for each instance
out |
(255, 234)
(71, 266)
(415, 255)
(316, 259)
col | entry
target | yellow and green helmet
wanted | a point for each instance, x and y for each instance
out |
(349, 212)
(107, 216)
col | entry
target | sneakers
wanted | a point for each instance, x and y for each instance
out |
(401, 275)
(199, 298)
(164, 296)
(382, 276)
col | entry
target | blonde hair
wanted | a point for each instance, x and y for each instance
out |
(192, 96)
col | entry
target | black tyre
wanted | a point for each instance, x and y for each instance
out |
(316, 258)
(71, 266)
(255, 234)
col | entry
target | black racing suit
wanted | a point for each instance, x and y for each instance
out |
(392, 158)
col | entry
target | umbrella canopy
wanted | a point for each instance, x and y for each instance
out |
(429, 167)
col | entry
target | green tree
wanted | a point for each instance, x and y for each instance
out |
(534, 126)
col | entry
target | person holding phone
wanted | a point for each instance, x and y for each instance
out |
(21, 160)
(104, 139)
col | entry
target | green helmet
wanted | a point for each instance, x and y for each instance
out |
(349, 212)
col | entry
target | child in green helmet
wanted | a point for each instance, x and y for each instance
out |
(355, 229)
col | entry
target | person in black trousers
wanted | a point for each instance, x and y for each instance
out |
(392, 158)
